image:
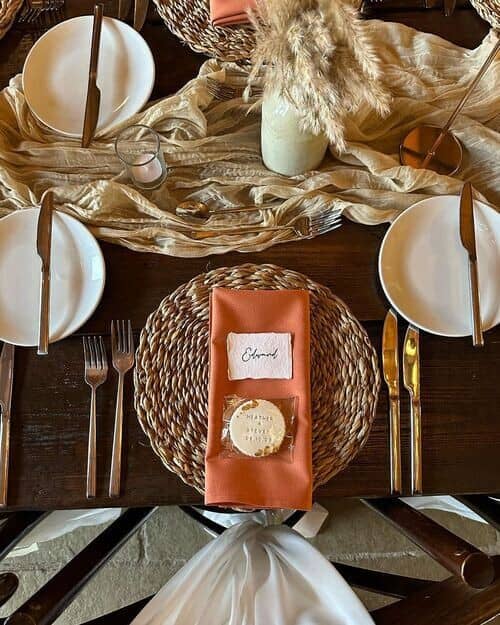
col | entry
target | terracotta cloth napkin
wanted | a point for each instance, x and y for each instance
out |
(227, 12)
(267, 482)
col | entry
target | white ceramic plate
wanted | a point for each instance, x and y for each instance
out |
(424, 269)
(55, 74)
(77, 277)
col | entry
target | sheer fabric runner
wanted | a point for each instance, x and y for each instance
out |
(212, 148)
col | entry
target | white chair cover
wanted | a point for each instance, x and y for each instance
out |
(254, 575)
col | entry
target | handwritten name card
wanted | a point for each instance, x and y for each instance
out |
(262, 355)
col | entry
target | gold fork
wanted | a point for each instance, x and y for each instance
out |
(122, 348)
(96, 372)
(35, 9)
(302, 228)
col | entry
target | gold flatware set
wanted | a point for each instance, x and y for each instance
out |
(411, 378)
(96, 373)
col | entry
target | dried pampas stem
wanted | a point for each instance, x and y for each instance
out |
(318, 55)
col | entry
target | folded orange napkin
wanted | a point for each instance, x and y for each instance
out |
(227, 12)
(271, 481)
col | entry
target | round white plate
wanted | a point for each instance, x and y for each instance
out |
(77, 275)
(55, 74)
(424, 269)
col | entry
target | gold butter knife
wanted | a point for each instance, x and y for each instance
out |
(468, 238)
(93, 91)
(43, 247)
(390, 365)
(411, 378)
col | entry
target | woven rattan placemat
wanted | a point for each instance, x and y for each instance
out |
(190, 21)
(171, 374)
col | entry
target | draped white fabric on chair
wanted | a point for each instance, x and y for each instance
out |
(255, 575)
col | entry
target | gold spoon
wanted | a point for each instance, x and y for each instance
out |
(193, 209)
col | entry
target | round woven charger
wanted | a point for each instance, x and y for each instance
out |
(171, 374)
(190, 21)
(489, 10)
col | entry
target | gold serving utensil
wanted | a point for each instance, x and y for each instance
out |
(93, 91)
(429, 147)
(191, 209)
(411, 378)
(390, 365)
(468, 238)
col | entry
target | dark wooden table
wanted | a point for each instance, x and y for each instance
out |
(460, 385)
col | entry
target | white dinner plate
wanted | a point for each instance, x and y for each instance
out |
(424, 269)
(77, 275)
(55, 74)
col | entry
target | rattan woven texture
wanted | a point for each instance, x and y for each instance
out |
(171, 374)
(8, 12)
(489, 10)
(190, 21)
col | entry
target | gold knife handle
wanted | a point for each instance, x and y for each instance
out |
(43, 332)
(416, 447)
(395, 446)
(477, 331)
(4, 459)
(96, 39)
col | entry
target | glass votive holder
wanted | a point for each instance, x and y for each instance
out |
(138, 147)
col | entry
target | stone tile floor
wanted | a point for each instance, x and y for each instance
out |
(352, 534)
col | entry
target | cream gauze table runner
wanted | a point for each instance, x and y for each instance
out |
(212, 147)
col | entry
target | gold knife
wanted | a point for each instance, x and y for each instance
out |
(411, 378)
(43, 247)
(6, 379)
(449, 7)
(93, 91)
(123, 8)
(140, 13)
(390, 365)
(468, 238)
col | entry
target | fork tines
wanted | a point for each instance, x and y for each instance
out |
(44, 12)
(122, 339)
(94, 354)
(324, 222)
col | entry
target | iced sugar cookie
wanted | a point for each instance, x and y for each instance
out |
(257, 428)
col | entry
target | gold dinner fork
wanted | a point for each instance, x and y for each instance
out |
(122, 347)
(302, 228)
(96, 372)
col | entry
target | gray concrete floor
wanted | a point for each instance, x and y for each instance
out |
(352, 534)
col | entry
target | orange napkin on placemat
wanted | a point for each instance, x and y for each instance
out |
(227, 12)
(268, 482)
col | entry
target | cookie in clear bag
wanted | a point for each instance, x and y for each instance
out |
(256, 428)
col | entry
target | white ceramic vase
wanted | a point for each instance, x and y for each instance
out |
(285, 148)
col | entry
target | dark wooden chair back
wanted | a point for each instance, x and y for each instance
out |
(470, 596)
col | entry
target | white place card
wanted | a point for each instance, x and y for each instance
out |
(260, 355)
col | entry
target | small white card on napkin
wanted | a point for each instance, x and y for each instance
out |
(260, 355)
